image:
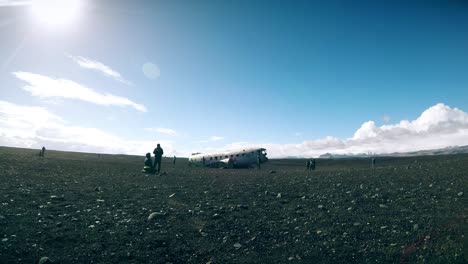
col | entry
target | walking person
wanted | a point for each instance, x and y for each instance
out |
(158, 153)
(307, 165)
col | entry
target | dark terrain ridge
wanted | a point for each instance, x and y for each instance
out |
(78, 208)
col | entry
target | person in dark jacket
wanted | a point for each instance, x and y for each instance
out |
(158, 153)
(312, 164)
(148, 168)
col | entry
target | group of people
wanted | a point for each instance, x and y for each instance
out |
(310, 164)
(155, 167)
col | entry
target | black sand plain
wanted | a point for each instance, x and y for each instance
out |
(81, 208)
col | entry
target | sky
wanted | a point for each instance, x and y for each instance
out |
(300, 78)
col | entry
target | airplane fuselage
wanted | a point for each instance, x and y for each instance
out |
(235, 158)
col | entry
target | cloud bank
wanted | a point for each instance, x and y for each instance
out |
(98, 66)
(34, 127)
(46, 87)
(437, 127)
(14, 2)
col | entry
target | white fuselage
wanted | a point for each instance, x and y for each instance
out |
(234, 158)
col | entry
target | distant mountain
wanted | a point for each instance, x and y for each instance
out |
(442, 151)
(343, 156)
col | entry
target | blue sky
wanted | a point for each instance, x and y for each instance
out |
(285, 74)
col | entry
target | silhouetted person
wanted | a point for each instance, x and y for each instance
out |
(174, 160)
(258, 161)
(203, 160)
(307, 164)
(158, 152)
(373, 163)
(42, 152)
(148, 168)
(312, 164)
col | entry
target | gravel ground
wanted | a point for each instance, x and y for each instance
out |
(81, 208)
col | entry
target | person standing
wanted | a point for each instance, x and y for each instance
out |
(42, 152)
(312, 164)
(258, 161)
(373, 163)
(158, 153)
(174, 160)
(307, 164)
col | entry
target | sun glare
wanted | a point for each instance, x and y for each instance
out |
(56, 13)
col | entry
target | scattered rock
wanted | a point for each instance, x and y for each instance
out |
(415, 227)
(278, 195)
(272, 171)
(460, 194)
(237, 245)
(153, 215)
(383, 206)
(215, 216)
(45, 260)
(57, 198)
(171, 195)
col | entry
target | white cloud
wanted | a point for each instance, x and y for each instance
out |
(14, 3)
(212, 139)
(34, 127)
(297, 134)
(98, 66)
(162, 130)
(48, 88)
(437, 127)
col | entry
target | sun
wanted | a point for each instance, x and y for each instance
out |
(56, 13)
